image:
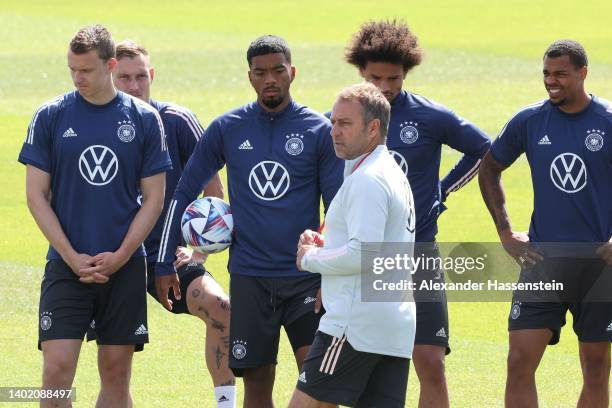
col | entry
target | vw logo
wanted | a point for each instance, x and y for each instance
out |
(568, 173)
(400, 160)
(269, 180)
(98, 165)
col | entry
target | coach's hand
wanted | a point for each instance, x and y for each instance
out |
(186, 256)
(104, 265)
(517, 245)
(302, 249)
(605, 251)
(163, 285)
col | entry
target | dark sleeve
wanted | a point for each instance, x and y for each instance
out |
(510, 143)
(156, 157)
(467, 138)
(206, 160)
(36, 149)
(189, 132)
(331, 168)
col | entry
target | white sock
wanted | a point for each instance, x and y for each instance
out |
(225, 396)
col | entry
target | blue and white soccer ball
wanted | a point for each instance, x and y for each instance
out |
(207, 225)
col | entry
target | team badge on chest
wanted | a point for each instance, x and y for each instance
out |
(594, 140)
(409, 133)
(126, 131)
(294, 145)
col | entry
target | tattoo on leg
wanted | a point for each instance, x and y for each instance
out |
(201, 309)
(217, 325)
(195, 293)
(225, 304)
(218, 356)
(226, 341)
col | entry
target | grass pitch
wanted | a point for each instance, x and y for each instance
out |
(483, 59)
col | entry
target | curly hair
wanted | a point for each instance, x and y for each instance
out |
(573, 49)
(384, 41)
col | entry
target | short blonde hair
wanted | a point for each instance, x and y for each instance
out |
(130, 49)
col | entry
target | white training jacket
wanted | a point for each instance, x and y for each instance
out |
(374, 205)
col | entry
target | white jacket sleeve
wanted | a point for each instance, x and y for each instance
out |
(364, 210)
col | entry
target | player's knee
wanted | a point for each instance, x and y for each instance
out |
(596, 370)
(114, 371)
(57, 372)
(431, 368)
(520, 363)
(214, 308)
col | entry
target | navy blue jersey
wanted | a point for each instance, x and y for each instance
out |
(96, 156)
(183, 130)
(278, 167)
(570, 156)
(417, 131)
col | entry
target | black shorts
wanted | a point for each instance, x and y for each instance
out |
(187, 274)
(114, 313)
(336, 373)
(547, 309)
(260, 306)
(431, 306)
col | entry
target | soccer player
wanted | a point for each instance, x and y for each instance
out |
(384, 52)
(568, 147)
(360, 355)
(89, 154)
(280, 161)
(203, 297)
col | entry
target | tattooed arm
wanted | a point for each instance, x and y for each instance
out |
(492, 190)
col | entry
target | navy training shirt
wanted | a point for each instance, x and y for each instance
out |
(417, 130)
(183, 130)
(96, 156)
(279, 165)
(570, 156)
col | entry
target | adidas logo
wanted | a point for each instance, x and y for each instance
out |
(302, 377)
(69, 133)
(441, 333)
(223, 399)
(246, 145)
(609, 328)
(141, 330)
(544, 141)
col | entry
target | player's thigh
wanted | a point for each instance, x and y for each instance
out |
(115, 361)
(121, 307)
(66, 305)
(205, 297)
(299, 318)
(255, 323)
(60, 358)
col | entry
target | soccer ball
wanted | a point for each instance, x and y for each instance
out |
(207, 225)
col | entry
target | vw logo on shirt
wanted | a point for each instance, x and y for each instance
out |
(400, 160)
(269, 180)
(98, 165)
(568, 173)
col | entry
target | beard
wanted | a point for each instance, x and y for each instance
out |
(273, 102)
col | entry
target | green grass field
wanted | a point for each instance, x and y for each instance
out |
(483, 59)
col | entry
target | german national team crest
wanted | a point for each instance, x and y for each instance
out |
(239, 349)
(45, 320)
(516, 310)
(294, 145)
(409, 133)
(594, 140)
(126, 131)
